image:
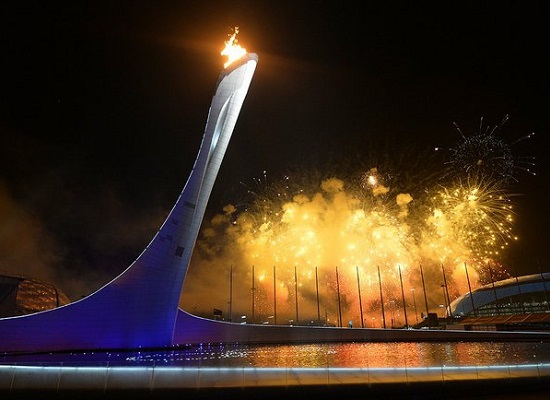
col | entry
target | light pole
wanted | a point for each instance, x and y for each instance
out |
(360, 303)
(444, 303)
(447, 292)
(403, 299)
(339, 306)
(253, 294)
(424, 289)
(414, 304)
(474, 311)
(274, 296)
(381, 299)
(296, 292)
(317, 289)
(231, 294)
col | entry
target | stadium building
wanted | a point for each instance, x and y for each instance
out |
(519, 303)
(21, 296)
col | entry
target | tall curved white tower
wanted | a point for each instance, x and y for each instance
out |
(138, 309)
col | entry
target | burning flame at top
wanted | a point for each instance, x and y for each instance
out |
(232, 49)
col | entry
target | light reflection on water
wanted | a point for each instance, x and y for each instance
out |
(363, 355)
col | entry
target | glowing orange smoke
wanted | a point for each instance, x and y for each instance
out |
(373, 235)
(233, 51)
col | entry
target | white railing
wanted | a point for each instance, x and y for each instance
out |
(21, 377)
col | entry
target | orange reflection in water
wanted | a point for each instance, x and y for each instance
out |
(391, 355)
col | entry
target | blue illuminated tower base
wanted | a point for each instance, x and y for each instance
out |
(138, 309)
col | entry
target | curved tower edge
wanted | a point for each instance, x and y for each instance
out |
(138, 308)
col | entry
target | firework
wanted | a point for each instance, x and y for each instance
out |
(476, 213)
(488, 156)
(327, 225)
(389, 215)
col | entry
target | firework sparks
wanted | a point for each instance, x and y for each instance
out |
(486, 155)
(477, 213)
(375, 227)
(332, 227)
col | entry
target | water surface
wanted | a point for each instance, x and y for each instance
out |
(362, 355)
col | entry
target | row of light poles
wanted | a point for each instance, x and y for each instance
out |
(444, 287)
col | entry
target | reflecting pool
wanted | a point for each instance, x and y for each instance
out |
(353, 355)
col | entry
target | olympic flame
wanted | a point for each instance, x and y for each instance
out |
(232, 50)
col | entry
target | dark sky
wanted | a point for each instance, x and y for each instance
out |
(103, 106)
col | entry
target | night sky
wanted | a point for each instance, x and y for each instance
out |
(103, 107)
